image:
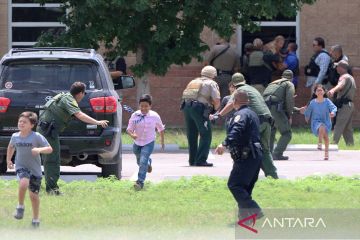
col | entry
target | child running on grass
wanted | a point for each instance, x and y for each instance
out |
(320, 110)
(28, 145)
(142, 128)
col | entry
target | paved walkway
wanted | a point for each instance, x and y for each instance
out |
(174, 165)
(300, 164)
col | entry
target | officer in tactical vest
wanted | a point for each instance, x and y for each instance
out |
(57, 114)
(200, 98)
(279, 96)
(243, 142)
(258, 105)
(345, 90)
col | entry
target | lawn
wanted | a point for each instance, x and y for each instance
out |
(299, 136)
(186, 206)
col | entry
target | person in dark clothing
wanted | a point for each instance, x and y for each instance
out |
(243, 142)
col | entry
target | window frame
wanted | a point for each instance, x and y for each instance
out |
(12, 24)
(296, 24)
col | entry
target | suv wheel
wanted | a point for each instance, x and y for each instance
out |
(3, 165)
(113, 169)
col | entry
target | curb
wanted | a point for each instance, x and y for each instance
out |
(290, 147)
(157, 148)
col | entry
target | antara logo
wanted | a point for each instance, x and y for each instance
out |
(243, 223)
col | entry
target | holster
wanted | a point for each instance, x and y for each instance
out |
(47, 127)
(238, 153)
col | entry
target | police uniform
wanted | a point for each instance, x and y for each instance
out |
(197, 105)
(345, 105)
(58, 112)
(243, 142)
(279, 96)
(258, 105)
(225, 59)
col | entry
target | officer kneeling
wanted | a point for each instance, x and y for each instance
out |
(243, 142)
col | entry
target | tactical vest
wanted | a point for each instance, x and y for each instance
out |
(312, 69)
(193, 91)
(275, 92)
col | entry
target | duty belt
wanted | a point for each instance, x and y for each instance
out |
(222, 72)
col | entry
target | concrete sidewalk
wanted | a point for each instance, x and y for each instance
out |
(173, 166)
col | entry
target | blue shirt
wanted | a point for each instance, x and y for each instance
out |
(292, 63)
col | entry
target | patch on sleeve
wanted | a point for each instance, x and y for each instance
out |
(237, 118)
(75, 103)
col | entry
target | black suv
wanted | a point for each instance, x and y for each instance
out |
(30, 77)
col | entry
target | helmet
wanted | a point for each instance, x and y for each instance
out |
(209, 71)
(237, 79)
(288, 74)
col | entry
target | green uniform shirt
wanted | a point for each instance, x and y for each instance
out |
(256, 101)
(61, 110)
(282, 91)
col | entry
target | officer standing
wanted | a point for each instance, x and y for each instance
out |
(345, 90)
(226, 61)
(258, 105)
(243, 142)
(57, 114)
(279, 96)
(200, 97)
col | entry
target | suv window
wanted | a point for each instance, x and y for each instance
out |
(51, 75)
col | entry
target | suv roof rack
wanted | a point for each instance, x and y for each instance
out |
(18, 50)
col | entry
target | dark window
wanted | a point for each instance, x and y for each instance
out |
(31, 34)
(50, 75)
(23, 1)
(267, 34)
(21, 46)
(36, 14)
(32, 1)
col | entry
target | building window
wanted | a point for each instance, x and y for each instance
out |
(269, 29)
(28, 20)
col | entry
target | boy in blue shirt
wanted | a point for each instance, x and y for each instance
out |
(28, 145)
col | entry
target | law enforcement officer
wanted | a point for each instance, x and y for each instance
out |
(200, 97)
(226, 61)
(279, 96)
(345, 90)
(258, 105)
(56, 116)
(243, 142)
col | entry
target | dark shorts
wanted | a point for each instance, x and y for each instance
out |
(34, 181)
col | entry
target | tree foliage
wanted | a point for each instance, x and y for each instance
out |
(167, 31)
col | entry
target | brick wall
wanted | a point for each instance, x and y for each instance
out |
(3, 27)
(338, 22)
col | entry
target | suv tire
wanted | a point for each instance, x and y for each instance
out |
(3, 165)
(113, 169)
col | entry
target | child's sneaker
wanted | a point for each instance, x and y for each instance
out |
(19, 214)
(35, 224)
(138, 186)
(149, 170)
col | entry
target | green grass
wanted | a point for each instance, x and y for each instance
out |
(194, 203)
(300, 136)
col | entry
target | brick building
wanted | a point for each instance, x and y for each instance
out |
(336, 21)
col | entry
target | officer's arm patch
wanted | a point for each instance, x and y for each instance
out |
(237, 118)
(75, 103)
